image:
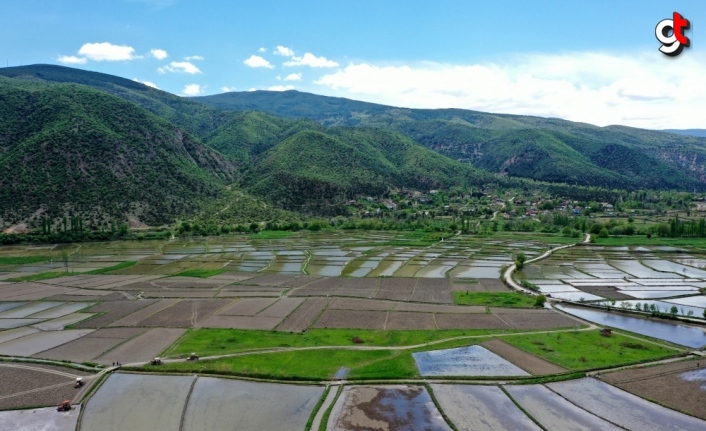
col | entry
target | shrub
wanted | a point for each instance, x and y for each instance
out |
(540, 301)
(603, 233)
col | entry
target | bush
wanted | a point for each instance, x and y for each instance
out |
(540, 301)
(603, 233)
(520, 260)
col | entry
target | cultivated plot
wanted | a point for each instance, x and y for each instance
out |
(385, 407)
(478, 408)
(219, 404)
(465, 361)
(137, 402)
(44, 419)
(623, 408)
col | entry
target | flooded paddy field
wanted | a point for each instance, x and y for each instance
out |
(44, 419)
(218, 404)
(482, 408)
(465, 361)
(623, 408)
(386, 407)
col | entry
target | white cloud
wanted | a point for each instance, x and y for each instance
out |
(147, 83)
(70, 59)
(192, 90)
(262, 49)
(227, 89)
(193, 57)
(252, 89)
(107, 52)
(639, 89)
(159, 54)
(293, 77)
(283, 51)
(179, 67)
(257, 61)
(281, 88)
(311, 60)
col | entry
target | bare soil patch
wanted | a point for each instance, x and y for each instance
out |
(351, 319)
(301, 280)
(123, 333)
(271, 280)
(246, 294)
(241, 322)
(431, 308)
(138, 316)
(662, 383)
(281, 308)
(89, 295)
(539, 319)
(143, 347)
(470, 321)
(179, 294)
(410, 320)
(247, 307)
(186, 313)
(528, 362)
(113, 310)
(15, 381)
(360, 304)
(300, 319)
(606, 292)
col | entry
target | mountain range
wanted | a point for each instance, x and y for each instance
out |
(108, 148)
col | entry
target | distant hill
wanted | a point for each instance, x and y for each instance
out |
(701, 133)
(239, 156)
(546, 149)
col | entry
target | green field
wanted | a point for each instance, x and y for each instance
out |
(121, 265)
(199, 272)
(656, 241)
(585, 350)
(43, 276)
(208, 342)
(306, 365)
(22, 260)
(494, 299)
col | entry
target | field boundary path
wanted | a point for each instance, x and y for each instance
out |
(511, 269)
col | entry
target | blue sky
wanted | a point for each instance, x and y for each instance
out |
(595, 61)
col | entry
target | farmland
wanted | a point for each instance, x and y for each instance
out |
(363, 308)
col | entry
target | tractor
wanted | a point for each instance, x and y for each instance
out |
(65, 406)
(156, 361)
(79, 382)
(193, 357)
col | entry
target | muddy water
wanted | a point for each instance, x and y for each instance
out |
(387, 408)
(465, 361)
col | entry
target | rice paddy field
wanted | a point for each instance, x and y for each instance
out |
(316, 312)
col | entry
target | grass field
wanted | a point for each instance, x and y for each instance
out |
(121, 265)
(208, 342)
(494, 299)
(22, 260)
(199, 272)
(643, 240)
(585, 350)
(271, 234)
(43, 276)
(307, 365)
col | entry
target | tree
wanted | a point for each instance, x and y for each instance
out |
(65, 259)
(520, 260)
(540, 300)
(603, 233)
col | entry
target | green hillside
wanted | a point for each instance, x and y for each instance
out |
(546, 149)
(66, 148)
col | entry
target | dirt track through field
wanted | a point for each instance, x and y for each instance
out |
(528, 362)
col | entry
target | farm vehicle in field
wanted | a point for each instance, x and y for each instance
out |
(193, 357)
(65, 406)
(156, 361)
(79, 382)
